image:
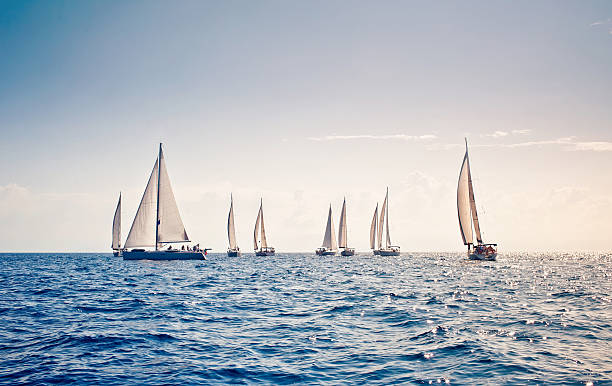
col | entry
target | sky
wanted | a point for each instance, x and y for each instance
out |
(303, 104)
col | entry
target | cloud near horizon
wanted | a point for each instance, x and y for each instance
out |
(404, 137)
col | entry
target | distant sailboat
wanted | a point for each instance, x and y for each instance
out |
(388, 249)
(373, 229)
(260, 242)
(330, 246)
(233, 250)
(116, 244)
(466, 210)
(342, 233)
(158, 222)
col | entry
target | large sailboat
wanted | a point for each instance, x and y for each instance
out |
(388, 249)
(468, 216)
(373, 229)
(342, 233)
(158, 222)
(260, 242)
(330, 246)
(116, 243)
(233, 250)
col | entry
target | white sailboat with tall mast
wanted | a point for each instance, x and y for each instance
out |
(342, 233)
(388, 249)
(329, 246)
(259, 237)
(373, 228)
(158, 222)
(116, 243)
(233, 250)
(468, 216)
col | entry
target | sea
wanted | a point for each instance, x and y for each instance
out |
(420, 318)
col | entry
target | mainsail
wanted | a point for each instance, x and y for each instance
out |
(171, 228)
(329, 240)
(388, 238)
(157, 220)
(342, 227)
(231, 232)
(373, 229)
(260, 224)
(116, 244)
(466, 205)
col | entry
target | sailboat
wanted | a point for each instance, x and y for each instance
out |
(261, 244)
(116, 243)
(158, 222)
(373, 229)
(330, 246)
(466, 209)
(388, 249)
(233, 250)
(342, 239)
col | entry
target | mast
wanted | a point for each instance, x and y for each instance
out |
(157, 215)
(388, 239)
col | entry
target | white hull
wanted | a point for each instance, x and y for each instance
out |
(163, 255)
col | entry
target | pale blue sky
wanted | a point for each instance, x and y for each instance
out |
(263, 97)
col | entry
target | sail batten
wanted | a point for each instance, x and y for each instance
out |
(342, 231)
(231, 232)
(373, 228)
(329, 240)
(116, 243)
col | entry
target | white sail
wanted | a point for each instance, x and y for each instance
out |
(116, 244)
(463, 202)
(388, 238)
(473, 206)
(383, 213)
(256, 233)
(264, 241)
(342, 227)
(329, 240)
(171, 228)
(142, 232)
(231, 232)
(373, 229)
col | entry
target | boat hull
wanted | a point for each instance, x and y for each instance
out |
(163, 255)
(383, 252)
(348, 252)
(326, 252)
(483, 257)
(376, 252)
(116, 253)
(234, 254)
(264, 253)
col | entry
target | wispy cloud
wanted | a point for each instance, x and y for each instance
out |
(403, 137)
(501, 134)
(601, 22)
(566, 144)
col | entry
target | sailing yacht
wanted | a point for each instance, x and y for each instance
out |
(261, 244)
(233, 250)
(373, 228)
(388, 249)
(466, 209)
(116, 243)
(158, 222)
(342, 239)
(330, 246)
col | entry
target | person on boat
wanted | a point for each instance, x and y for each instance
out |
(169, 247)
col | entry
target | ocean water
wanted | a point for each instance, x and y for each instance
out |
(422, 318)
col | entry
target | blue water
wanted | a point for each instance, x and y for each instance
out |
(420, 318)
